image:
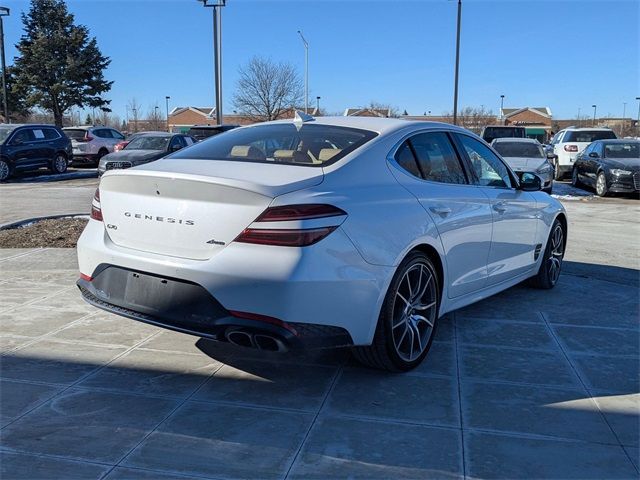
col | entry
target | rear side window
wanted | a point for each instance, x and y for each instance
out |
(311, 145)
(404, 157)
(103, 133)
(50, 134)
(75, 134)
(588, 135)
(436, 158)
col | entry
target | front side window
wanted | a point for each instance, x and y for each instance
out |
(489, 169)
(117, 135)
(622, 150)
(519, 149)
(51, 134)
(289, 143)
(436, 158)
(104, 133)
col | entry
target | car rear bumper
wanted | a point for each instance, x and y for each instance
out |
(324, 285)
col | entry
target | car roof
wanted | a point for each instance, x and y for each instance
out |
(157, 134)
(374, 124)
(16, 125)
(224, 125)
(598, 129)
(517, 140)
(504, 126)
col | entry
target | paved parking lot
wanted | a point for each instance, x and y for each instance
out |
(527, 384)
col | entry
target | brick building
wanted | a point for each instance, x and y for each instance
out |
(538, 121)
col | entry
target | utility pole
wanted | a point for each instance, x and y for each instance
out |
(217, 52)
(501, 108)
(4, 12)
(306, 72)
(594, 114)
(455, 88)
(317, 105)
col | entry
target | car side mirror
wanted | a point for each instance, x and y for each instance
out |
(551, 155)
(530, 182)
(594, 155)
(175, 148)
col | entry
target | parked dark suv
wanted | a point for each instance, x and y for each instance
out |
(29, 147)
(491, 132)
(200, 132)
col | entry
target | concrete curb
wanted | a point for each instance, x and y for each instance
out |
(19, 223)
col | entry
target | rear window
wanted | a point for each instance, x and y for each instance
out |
(588, 136)
(75, 134)
(622, 150)
(5, 132)
(491, 133)
(288, 143)
(519, 149)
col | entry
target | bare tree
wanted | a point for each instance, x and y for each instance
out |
(384, 108)
(473, 118)
(133, 108)
(155, 117)
(266, 90)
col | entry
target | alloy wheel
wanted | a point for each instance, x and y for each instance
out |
(556, 253)
(4, 170)
(574, 177)
(414, 312)
(601, 184)
(60, 164)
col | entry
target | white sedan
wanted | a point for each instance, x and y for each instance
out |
(319, 232)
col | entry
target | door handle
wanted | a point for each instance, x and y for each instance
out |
(444, 211)
(500, 207)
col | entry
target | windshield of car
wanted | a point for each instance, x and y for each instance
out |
(148, 142)
(588, 136)
(75, 134)
(285, 143)
(622, 150)
(519, 149)
(5, 132)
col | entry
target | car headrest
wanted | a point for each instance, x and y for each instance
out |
(328, 153)
(247, 151)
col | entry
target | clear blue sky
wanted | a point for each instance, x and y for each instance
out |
(565, 54)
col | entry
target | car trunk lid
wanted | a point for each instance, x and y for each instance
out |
(192, 208)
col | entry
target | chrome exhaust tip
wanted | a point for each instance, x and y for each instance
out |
(269, 343)
(240, 338)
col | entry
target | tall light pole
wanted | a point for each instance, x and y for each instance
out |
(306, 72)
(595, 107)
(638, 118)
(317, 105)
(217, 52)
(4, 12)
(501, 108)
(455, 81)
(167, 98)
(155, 117)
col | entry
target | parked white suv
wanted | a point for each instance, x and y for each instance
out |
(90, 144)
(568, 143)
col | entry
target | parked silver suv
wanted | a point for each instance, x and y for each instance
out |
(90, 144)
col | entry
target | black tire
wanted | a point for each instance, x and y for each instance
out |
(547, 275)
(558, 174)
(59, 164)
(101, 153)
(383, 353)
(575, 180)
(5, 170)
(601, 185)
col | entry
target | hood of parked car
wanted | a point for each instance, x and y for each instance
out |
(522, 164)
(628, 163)
(134, 156)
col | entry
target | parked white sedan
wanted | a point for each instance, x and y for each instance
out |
(319, 232)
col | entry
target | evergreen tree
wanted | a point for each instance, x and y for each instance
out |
(60, 66)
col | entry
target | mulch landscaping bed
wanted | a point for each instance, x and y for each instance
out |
(59, 232)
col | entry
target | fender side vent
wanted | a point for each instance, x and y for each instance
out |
(536, 252)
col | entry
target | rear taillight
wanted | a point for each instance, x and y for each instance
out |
(284, 238)
(299, 212)
(295, 237)
(96, 210)
(570, 148)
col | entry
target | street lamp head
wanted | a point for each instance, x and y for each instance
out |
(168, 97)
(593, 106)
(4, 12)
